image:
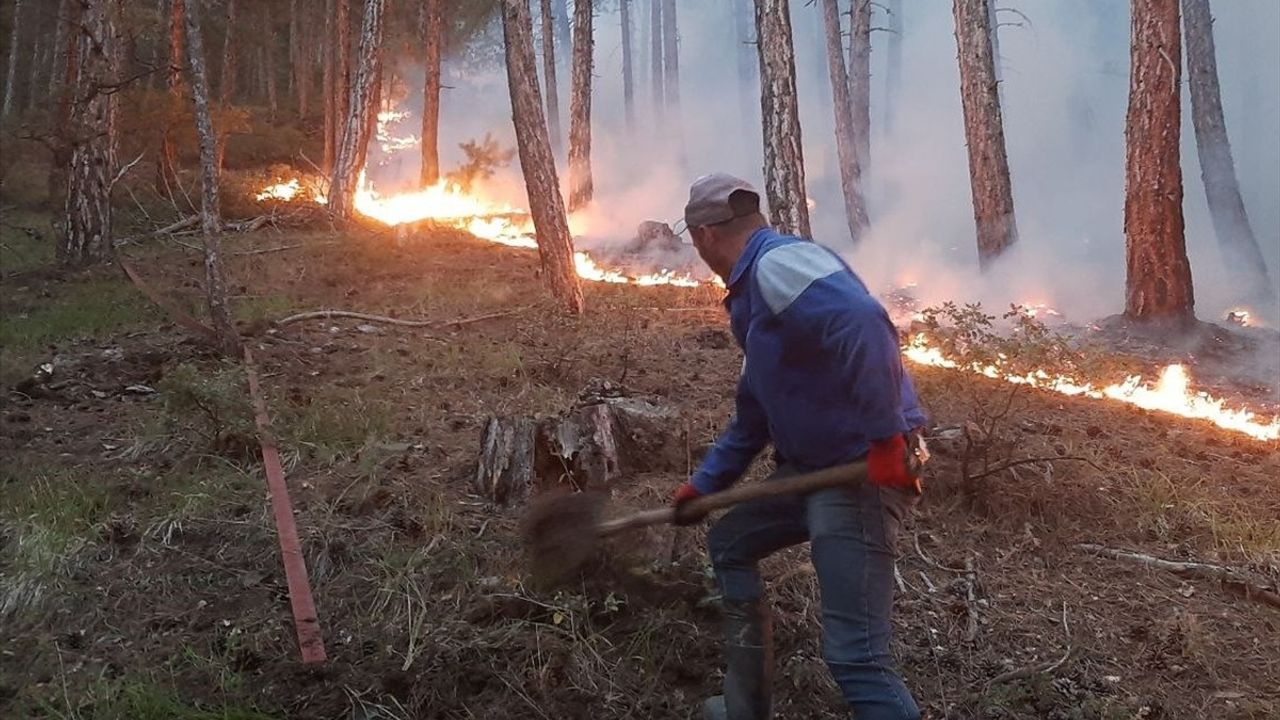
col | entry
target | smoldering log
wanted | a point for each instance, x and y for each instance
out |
(593, 445)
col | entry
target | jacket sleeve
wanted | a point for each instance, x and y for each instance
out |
(744, 438)
(822, 307)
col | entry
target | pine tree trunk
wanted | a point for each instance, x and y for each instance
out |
(433, 32)
(62, 49)
(993, 23)
(86, 235)
(341, 70)
(206, 137)
(63, 96)
(992, 191)
(40, 61)
(269, 66)
(326, 86)
(893, 63)
(1240, 252)
(361, 106)
(850, 171)
(1158, 282)
(549, 75)
(580, 186)
(860, 81)
(167, 165)
(783, 157)
(670, 55)
(298, 59)
(210, 214)
(563, 40)
(371, 118)
(11, 76)
(555, 244)
(628, 85)
(655, 60)
(227, 90)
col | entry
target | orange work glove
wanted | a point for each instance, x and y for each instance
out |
(887, 463)
(684, 494)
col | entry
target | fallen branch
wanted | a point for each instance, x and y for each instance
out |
(1028, 461)
(1044, 667)
(329, 314)
(282, 248)
(935, 563)
(1231, 579)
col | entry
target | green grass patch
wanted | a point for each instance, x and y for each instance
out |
(26, 240)
(87, 309)
(336, 426)
(260, 309)
(138, 700)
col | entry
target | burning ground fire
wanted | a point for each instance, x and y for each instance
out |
(1172, 393)
(498, 222)
(501, 223)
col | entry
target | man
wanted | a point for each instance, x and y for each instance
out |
(823, 380)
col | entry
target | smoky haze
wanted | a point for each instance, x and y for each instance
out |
(1065, 87)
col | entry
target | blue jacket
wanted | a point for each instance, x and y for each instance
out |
(823, 374)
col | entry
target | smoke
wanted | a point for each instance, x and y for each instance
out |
(1065, 93)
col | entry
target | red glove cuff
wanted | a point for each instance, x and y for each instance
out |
(887, 463)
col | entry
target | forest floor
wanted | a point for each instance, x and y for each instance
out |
(140, 575)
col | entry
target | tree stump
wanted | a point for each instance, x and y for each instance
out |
(592, 445)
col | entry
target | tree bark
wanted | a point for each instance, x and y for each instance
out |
(783, 156)
(580, 186)
(893, 63)
(549, 75)
(210, 214)
(992, 191)
(341, 70)
(993, 23)
(655, 59)
(228, 88)
(11, 75)
(269, 65)
(326, 86)
(63, 96)
(433, 32)
(1158, 282)
(670, 55)
(86, 235)
(167, 167)
(298, 58)
(555, 244)
(361, 106)
(1241, 254)
(628, 85)
(846, 141)
(210, 196)
(563, 41)
(860, 81)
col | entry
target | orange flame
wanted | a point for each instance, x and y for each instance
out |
(1171, 393)
(497, 222)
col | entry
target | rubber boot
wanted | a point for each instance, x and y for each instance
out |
(748, 675)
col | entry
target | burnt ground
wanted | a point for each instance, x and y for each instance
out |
(140, 575)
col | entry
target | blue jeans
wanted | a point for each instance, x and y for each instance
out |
(852, 534)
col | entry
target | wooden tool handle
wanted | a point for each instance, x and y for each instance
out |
(797, 485)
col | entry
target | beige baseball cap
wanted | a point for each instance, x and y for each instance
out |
(709, 199)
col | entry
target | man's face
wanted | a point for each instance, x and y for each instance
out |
(703, 237)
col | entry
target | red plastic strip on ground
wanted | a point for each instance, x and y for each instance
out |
(305, 618)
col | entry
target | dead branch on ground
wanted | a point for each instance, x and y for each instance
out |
(1231, 579)
(330, 314)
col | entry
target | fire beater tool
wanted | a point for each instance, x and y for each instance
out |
(561, 532)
